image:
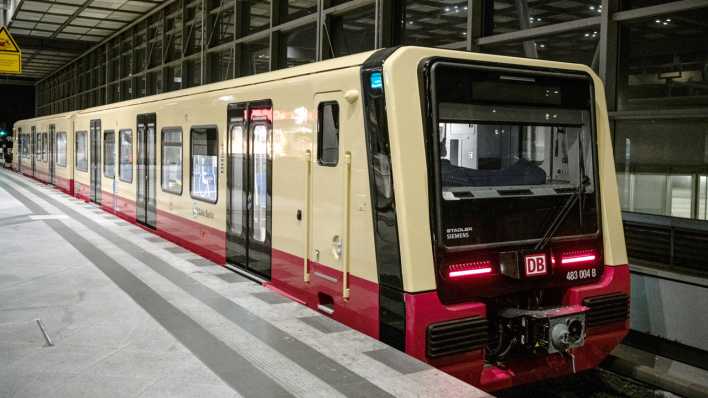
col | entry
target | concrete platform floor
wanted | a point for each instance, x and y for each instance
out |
(132, 315)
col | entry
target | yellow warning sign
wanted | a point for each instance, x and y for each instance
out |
(10, 54)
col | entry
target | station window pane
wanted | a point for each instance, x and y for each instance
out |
(172, 160)
(125, 171)
(574, 46)
(81, 151)
(433, 23)
(631, 4)
(126, 91)
(657, 172)
(173, 78)
(298, 8)
(139, 86)
(109, 153)
(173, 45)
(154, 82)
(350, 33)
(300, 46)
(61, 149)
(702, 198)
(255, 58)
(221, 65)
(258, 14)
(204, 159)
(193, 72)
(328, 134)
(221, 22)
(507, 14)
(663, 61)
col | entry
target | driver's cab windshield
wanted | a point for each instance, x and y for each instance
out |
(492, 151)
(510, 147)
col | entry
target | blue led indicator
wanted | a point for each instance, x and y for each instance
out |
(376, 80)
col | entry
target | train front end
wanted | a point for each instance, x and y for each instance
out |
(524, 272)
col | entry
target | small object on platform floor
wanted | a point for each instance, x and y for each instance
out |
(131, 316)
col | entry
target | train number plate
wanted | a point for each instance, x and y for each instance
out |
(536, 264)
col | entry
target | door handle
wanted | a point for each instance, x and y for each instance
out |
(305, 261)
(347, 222)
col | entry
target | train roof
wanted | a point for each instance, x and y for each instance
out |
(301, 70)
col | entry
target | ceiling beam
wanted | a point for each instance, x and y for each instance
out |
(39, 43)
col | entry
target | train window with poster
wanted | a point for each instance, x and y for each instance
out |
(61, 149)
(328, 134)
(109, 153)
(81, 151)
(204, 143)
(125, 155)
(172, 160)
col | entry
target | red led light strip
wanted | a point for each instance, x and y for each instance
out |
(578, 259)
(469, 269)
(476, 271)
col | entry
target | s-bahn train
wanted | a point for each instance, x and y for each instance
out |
(460, 207)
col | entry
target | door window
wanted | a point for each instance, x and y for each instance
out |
(125, 171)
(109, 153)
(237, 186)
(172, 160)
(204, 177)
(260, 181)
(328, 134)
(61, 149)
(81, 150)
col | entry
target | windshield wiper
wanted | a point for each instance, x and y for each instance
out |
(558, 220)
(578, 196)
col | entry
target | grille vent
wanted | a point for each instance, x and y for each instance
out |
(456, 336)
(607, 309)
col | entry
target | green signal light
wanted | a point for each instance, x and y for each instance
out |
(3, 133)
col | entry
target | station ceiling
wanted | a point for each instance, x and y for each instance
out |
(52, 33)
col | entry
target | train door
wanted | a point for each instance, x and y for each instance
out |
(327, 198)
(95, 159)
(146, 163)
(33, 149)
(249, 179)
(51, 151)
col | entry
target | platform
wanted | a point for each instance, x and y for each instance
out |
(129, 314)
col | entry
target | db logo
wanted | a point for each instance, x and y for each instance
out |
(536, 264)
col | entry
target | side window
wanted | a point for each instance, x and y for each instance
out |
(61, 149)
(81, 151)
(203, 163)
(125, 171)
(109, 153)
(328, 133)
(172, 160)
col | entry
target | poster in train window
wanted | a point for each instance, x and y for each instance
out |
(109, 153)
(125, 171)
(204, 149)
(61, 149)
(172, 160)
(81, 151)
